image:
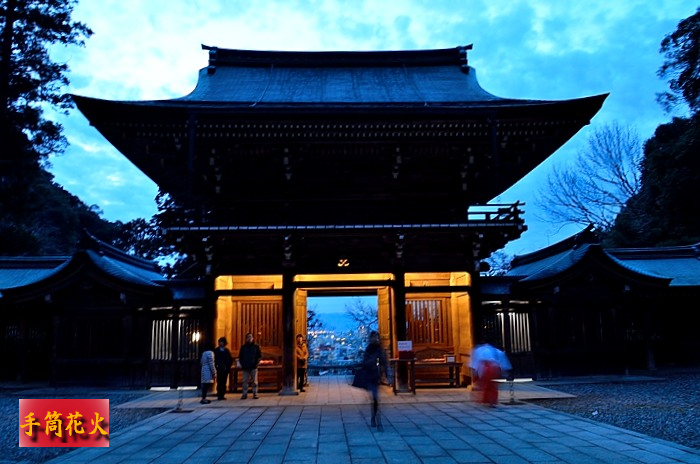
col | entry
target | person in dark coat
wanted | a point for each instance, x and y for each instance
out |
(374, 364)
(223, 362)
(249, 357)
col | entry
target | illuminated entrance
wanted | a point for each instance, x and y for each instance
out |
(437, 314)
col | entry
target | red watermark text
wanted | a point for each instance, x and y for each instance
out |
(63, 422)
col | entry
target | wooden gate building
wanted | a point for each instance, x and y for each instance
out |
(297, 173)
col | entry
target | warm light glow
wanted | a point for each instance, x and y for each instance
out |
(195, 337)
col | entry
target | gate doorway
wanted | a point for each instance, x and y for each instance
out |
(431, 309)
(338, 330)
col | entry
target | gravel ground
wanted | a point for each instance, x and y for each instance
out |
(667, 408)
(119, 419)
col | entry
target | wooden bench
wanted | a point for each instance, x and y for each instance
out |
(270, 375)
(433, 370)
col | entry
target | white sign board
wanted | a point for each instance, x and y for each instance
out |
(405, 345)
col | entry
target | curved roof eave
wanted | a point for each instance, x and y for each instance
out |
(105, 269)
(86, 104)
(560, 267)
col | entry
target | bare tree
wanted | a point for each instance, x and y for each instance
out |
(364, 315)
(594, 189)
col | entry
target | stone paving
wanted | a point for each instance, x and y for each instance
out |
(330, 424)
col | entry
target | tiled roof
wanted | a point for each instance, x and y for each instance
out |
(19, 273)
(425, 76)
(679, 265)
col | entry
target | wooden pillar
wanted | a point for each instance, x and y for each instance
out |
(288, 337)
(400, 322)
(507, 340)
(476, 299)
(400, 304)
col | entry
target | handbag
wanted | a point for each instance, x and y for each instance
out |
(360, 379)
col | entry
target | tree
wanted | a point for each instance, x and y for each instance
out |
(364, 315)
(29, 79)
(37, 216)
(597, 186)
(681, 49)
(665, 212)
(45, 219)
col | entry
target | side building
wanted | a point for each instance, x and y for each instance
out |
(576, 308)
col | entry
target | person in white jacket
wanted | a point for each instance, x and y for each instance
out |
(208, 375)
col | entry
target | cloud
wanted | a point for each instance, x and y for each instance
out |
(522, 49)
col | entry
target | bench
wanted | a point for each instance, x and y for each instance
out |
(270, 375)
(433, 370)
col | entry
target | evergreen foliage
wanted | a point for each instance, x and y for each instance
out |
(37, 216)
(666, 211)
(682, 65)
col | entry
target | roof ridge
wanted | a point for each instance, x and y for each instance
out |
(90, 242)
(387, 58)
(586, 236)
(656, 252)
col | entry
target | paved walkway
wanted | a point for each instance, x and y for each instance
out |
(330, 424)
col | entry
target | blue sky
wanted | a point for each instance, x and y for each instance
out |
(552, 50)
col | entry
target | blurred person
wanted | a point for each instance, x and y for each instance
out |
(374, 364)
(488, 363)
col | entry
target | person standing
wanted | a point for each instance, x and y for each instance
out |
(249, 357)
(374, 364)
(208, 374)
(489, 363)
(223, 362)
(302, 360)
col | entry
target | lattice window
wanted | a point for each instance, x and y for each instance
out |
(264, 320)
(10, 342)
(428, 321)
(188, 334)
(162, 340)
(519, 332)
(495, 331)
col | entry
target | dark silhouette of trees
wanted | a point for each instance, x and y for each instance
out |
(36, 215)
(29, 78)
(666, 210)
(682, 65)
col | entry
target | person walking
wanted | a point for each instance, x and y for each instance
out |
(374, 364)
(208, 374)
(302, 360)
(249, 357)
(223, 362)
(488, 363)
